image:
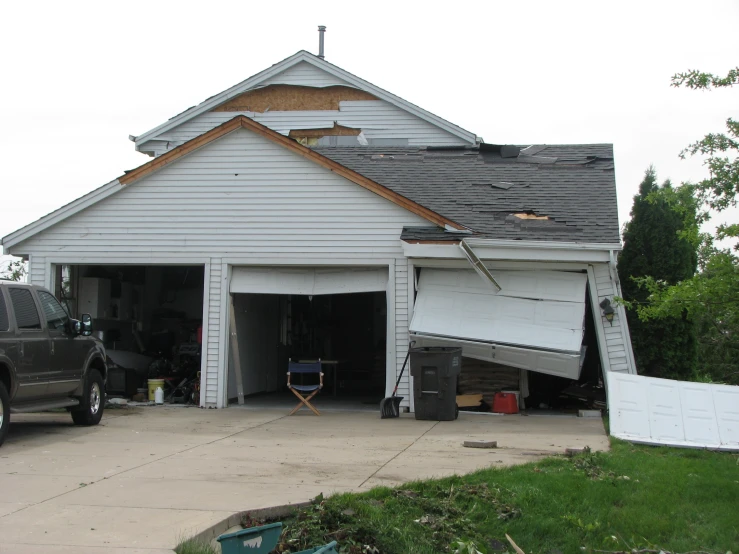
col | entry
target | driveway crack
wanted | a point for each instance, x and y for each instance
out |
(398, 454)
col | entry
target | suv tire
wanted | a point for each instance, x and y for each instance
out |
(4, 413)
(92, 402)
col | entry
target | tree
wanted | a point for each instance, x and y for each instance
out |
(15, 271)
(654, 247)
(711, 297)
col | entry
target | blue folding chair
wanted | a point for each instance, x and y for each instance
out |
(300, 390)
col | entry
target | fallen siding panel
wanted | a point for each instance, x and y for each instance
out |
(673, 413)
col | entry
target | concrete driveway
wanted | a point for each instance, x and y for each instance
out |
(147, 477)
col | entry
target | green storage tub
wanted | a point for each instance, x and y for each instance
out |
(254, 540)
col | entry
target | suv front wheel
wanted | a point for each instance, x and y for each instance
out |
(4, 412)
(92, 402)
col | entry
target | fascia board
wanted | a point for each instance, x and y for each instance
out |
(539, 252)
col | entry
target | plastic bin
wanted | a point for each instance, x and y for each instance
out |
(435, 370)
(254, 540)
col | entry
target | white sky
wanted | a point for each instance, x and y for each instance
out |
(79, 77)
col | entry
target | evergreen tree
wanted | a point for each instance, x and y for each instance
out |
(654, 247)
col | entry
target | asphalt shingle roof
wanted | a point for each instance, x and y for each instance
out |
(573, 185)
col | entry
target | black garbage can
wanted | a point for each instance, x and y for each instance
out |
(435, 370)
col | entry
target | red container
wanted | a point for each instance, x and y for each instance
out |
(505, 403)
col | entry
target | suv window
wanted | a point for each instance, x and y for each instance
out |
(26, 314)
(4, 323)
(56, 317)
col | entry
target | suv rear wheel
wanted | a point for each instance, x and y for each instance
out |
(92, 402)
(4, 412)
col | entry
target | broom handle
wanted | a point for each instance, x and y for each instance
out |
(402, 369)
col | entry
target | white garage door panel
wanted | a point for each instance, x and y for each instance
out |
(673, 413)
(552, 363)
(307, 281)
(535, 285)
(457, 303)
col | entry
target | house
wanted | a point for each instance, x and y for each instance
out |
(306, 212)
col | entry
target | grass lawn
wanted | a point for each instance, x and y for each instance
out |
(639, 497)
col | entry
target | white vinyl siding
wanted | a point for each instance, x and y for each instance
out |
(241, 200)
(213, 338)
(37, 270)
(377, 119)
(616, 341)
(306, 75)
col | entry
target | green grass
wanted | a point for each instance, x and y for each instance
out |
(632, 497)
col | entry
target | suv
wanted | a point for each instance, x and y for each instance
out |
(47, 359)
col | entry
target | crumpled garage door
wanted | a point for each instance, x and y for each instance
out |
(534, 322)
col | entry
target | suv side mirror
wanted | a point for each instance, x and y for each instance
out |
(85, 326)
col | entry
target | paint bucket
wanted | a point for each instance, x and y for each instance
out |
(153, 385)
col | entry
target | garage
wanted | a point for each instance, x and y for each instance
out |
(332, 314)
(150, 320)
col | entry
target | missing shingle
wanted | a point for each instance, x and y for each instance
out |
(531, 215)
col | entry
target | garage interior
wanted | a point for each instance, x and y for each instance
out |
(347, 332)
(149, 319)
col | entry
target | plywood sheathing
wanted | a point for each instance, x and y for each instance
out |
(335, 131)
(532, 216)
(287, 98)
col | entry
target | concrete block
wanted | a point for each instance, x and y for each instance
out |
(480, 444)
(589, 413)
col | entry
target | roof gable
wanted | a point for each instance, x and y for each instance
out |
(239, 122)
(292, 71)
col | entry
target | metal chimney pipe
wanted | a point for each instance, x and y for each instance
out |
(321, 32)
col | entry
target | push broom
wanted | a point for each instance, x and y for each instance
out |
(390, 406)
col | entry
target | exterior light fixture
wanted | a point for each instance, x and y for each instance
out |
(608, 311)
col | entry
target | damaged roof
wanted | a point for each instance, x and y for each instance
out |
(540, 192)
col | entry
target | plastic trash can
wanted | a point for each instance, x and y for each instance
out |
(435, 370)
(254, 540)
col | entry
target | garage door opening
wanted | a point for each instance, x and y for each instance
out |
(149, 319)
(347, 332)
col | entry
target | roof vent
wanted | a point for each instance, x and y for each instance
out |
(321, 32)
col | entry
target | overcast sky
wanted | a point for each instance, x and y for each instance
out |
(79, 77)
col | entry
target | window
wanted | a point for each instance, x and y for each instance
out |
(26, 314)
(4, 324)
(56, 317)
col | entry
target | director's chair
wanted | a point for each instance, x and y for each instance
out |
(300, 390)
